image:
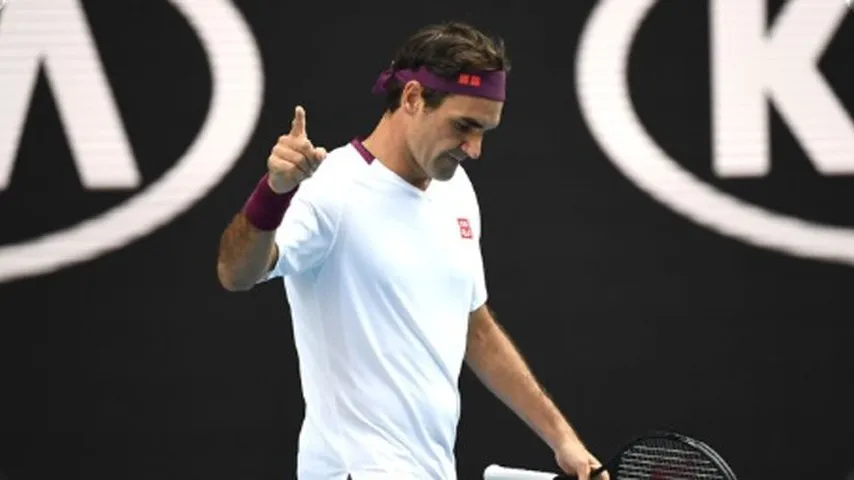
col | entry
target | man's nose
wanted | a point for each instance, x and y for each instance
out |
(472, 146)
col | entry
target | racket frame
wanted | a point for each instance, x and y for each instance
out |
(701, 447)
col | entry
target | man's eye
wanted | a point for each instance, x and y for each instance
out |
(463, 127)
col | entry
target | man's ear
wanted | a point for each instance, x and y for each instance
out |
(411, 99)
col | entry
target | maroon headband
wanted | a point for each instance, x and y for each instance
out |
(487, 84)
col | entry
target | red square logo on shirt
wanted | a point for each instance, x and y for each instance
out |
(465, 228)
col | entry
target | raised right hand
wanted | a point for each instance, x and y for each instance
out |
(293, 158)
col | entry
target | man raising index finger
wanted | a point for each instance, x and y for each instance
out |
(379, 252)
(298, 123)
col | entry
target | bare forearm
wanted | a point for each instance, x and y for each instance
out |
(497, 363)
(245, 254)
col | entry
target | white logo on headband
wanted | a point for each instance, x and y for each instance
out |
(55, 33)
(749, 68)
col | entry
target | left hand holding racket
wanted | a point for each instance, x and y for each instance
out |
(574, 459)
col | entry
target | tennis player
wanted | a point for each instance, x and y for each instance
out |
(377, 243)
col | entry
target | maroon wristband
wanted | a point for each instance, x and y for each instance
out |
(265, 208)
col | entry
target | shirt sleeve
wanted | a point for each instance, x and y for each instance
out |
(479, 293)
(307, 231)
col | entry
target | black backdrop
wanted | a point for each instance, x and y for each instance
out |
(136, 364)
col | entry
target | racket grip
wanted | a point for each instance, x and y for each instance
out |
(500, 472)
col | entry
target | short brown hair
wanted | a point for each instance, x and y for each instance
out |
(446, 49)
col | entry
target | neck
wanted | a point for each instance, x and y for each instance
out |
(388, 144)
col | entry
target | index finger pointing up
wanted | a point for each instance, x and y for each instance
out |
(298, 124)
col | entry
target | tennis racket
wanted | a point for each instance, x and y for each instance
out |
(652, 456)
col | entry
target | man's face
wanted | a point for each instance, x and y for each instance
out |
(442, 138)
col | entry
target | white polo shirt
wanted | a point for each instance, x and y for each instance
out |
(381, 278)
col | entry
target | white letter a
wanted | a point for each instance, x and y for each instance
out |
(55, 33)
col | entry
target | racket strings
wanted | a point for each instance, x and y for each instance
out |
(663, 459)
